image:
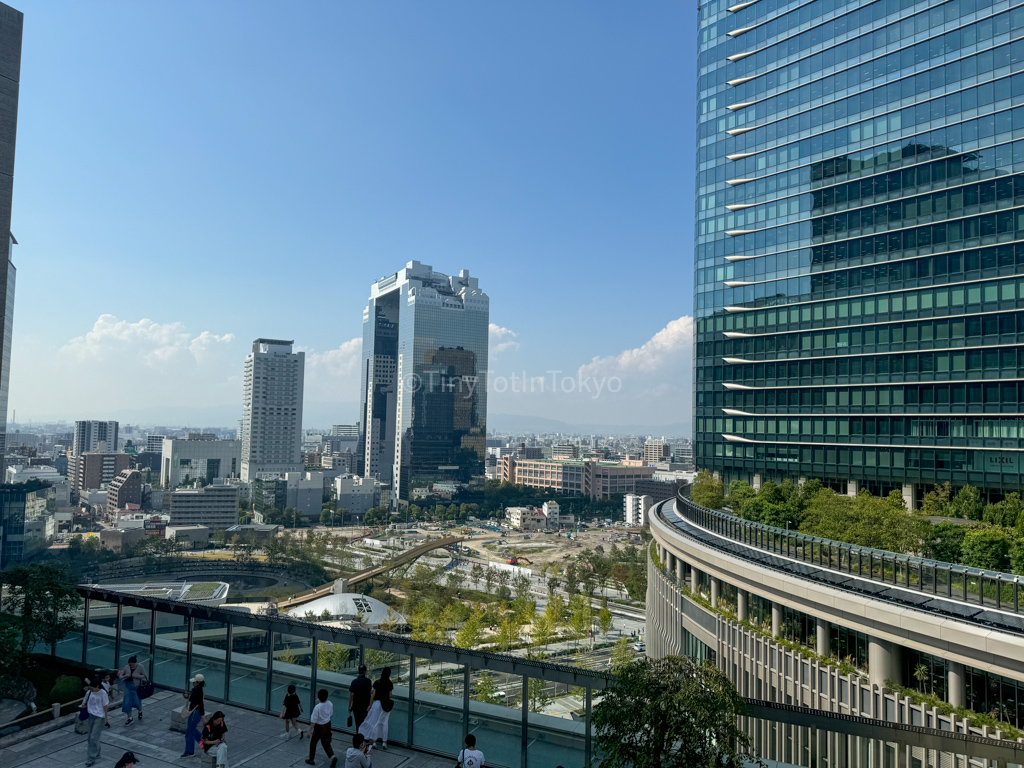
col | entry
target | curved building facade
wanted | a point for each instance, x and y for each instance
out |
(809, 622)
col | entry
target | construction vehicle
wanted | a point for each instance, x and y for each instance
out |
(517, 560)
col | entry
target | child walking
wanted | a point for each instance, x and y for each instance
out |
(291, 708)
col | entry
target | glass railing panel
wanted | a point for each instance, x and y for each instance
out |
(972, 579)
(171, 649)
(943, 582)
(99, 651)
(496, 714)
(437, 717)
(1008, 595)
(70, 647)
(209, 653)
(376, 661)
(556, 731)
(136, 628)
(337, 665)
(292, 665)
(249, 648)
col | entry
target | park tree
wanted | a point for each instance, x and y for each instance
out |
(936, 501)
(739, 492)
(622, 655)
(987, 547)
(542, 630)
(485, 689)
(476, 573)
(470, 633)
(555, 611)
(508, 634)
(572, 577)
(604, 620)
(1005, 512)
(869, 521)
(581, 617)
(967, 503)
(946, 542)
(41, 598)
(521, 585)
(707, 491)
(670, 713)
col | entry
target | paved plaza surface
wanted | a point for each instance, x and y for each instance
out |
(254, 739)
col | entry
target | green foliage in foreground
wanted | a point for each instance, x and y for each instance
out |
(663, 713)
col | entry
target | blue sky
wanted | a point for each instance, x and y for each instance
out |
(232, 170)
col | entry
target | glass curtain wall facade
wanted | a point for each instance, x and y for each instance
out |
(424, 379)
(11, 22)
(859, 236)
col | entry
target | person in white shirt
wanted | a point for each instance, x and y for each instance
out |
(470, 757)
(358, 755)
(96, 701)
(320, 728)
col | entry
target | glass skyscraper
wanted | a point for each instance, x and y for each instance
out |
(859, 291)
(11, 22)
(424, 379)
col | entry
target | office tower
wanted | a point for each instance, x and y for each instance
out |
(424, 379)
(10, 74)
(656, 450)
(345, 430)
(154, 443)
(215, 506)
(185, 461)
(95, 437)
(272, 404)
(124, 489)
(857, 243)
(89, 471)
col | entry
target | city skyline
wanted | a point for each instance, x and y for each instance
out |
(175, 333)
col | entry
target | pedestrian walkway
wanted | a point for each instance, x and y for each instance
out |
(255, 740)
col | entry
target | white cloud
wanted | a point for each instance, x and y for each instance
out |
(156, 345)
(333, 375)
(666, 351)
(501, 339)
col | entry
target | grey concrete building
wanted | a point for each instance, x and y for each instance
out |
(183, 462)
(215, 506)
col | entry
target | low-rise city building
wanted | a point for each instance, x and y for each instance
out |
(636, 507)
(215, 506)
(123, 490)
(358, 494)
(594, 479)
(88, 471)
(188, 536)
(116, 539)
(199, 457)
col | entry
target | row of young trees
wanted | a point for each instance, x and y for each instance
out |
(977, 534)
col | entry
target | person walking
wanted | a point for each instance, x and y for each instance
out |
(320, 728)
(291, 708)
(359, 694)
(96, 702)
(214, 733)
(375, 727)
(470, 757)
(196, 710)
(358, 755)
(132, 675)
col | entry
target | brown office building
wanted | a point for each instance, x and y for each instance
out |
(124, 489)
(88, 471)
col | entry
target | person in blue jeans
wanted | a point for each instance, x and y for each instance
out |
(133, 676)
(196, 710)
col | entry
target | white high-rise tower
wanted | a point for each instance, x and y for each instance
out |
(272, 401)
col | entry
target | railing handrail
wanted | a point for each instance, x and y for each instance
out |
(988, 591)
(842, 544)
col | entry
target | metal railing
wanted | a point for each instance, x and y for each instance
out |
(974, 586)
(441, 692)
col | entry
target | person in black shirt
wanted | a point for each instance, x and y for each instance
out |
(291, 708)
(196, 710)
(376, 724)
(359, 694)
(214, 739)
